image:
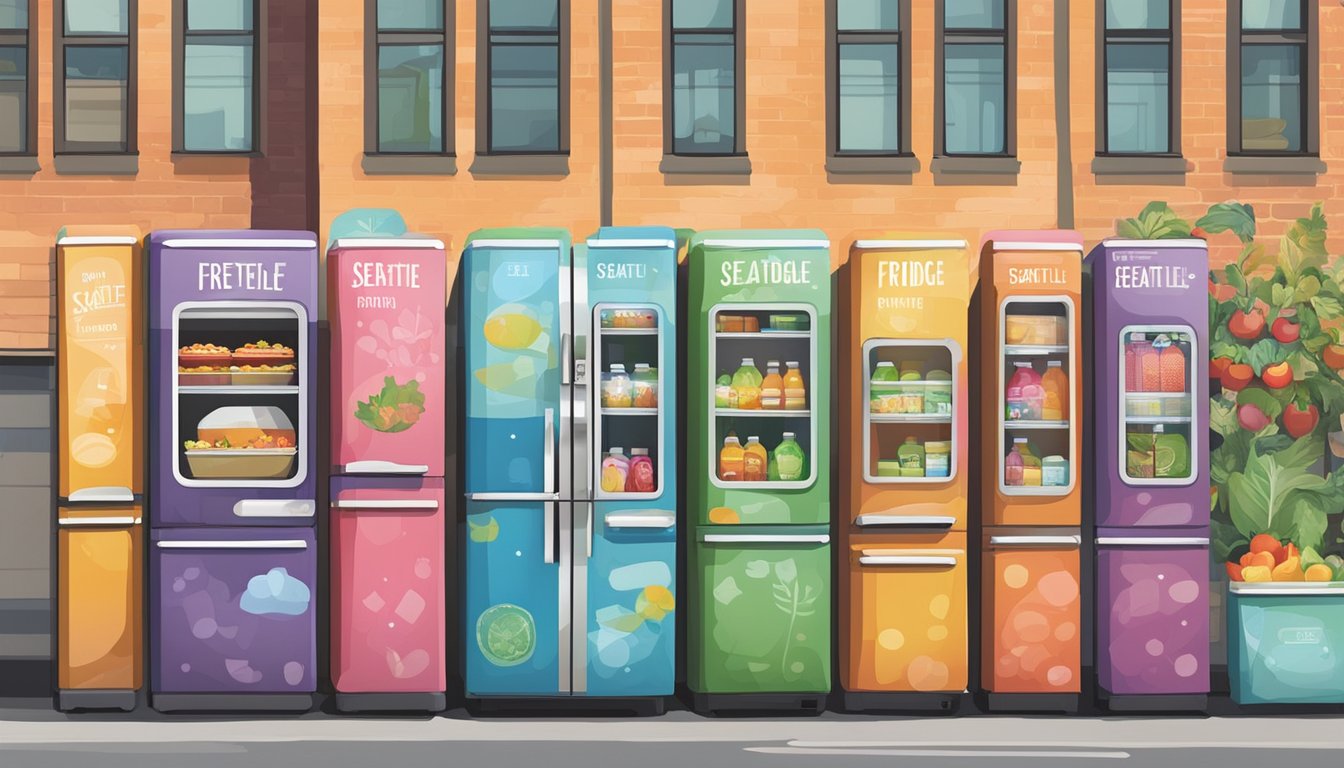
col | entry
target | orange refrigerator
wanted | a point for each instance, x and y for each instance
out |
(100, 445)
(904, 408)
(1029, 432)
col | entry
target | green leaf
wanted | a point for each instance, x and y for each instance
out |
(1327, 308)
(1260, 399)
(1307, 287)
(1308, 519)
(1223, 416)
(1225, 539)
(1227, 349)
(1280, 296)
(1233, 217)
(1259, 496)
(1310, 557)
(1303, 245)
(1253, 257)
(1264, 353)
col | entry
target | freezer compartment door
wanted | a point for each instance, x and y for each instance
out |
(1284, 648)
(764, 595)
(630, 606)
(1032, 613)
(99, 589)
(517, 601)
(1153, 615)
(387, 580)
(909, 607)
(234, 610)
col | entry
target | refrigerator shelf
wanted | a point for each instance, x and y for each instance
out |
(629, 411)
(1035, 350)
(1157, 419)
(910, 418)
(628, 331)
(1157, 395)
(1035, 424)
(762, 413)
(765, 335)
(230, 389)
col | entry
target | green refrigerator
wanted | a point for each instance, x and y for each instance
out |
(758, 480)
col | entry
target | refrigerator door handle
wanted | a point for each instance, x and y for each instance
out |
(234, 544)
(766, 538)
(548, 452)
(1137, 541)
(590, 530)
(548, 532)
(519, 497)
(927, 521)
(908, 560)
(658, 519)
(76, 522)
(109, 493)
(385, 504)
(1035, 541)
(566, 359)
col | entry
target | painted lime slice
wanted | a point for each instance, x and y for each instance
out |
(506, 635)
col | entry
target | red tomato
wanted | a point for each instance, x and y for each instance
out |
(1333, 356)
(1246, 325)
(1285, 331)
(1300, 421)
(1236, 376)
(1277, 376)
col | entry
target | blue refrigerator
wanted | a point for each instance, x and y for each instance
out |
(570, 539)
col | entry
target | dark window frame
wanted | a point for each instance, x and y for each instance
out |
(1172, 37)
(835, 38)
(483, 91)
(373, 38)
(60, 41)
(181, 37)
(24, 38)
(738, 32)
(1008, 36)
(1308, 38)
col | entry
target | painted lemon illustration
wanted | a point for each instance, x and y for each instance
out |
(655, 602)
(511, 327)
(506, 635)
(93, 450)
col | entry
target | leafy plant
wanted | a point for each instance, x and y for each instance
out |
(394, 409)
(793, 599)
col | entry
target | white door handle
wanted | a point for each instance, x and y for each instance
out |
(910, 520)
(1035, 541)
(233, 544)
(765, 538)
(636, 520)
(385, 504)
(908, 560)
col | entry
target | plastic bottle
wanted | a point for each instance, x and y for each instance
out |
(911, 456)
(724, 394)
(615, 469)
(747, 385)
(1171, 369)
(1055, 386)
(1012, 465)
(616, 388)
(731, 460)
(883, 394)
(789, 457)
(1032, 470)
(639, 478)
(795, 390)
(772, 388)
(937, 458)
(754, 460)
(644, 386)
(1023, 393)
(938, 393)
(1054, 471)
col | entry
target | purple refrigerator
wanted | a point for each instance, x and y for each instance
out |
(233, 558)
(1150, 375)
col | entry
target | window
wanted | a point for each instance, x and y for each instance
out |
(872, 74)
(701, 95)
(95, 76)
(975, 61)
(526, 88)
(17, 116)
(1138, 73)
(408, 102)
(1272, 77)
(216, 97)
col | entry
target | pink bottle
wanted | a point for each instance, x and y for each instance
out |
(1024, 394)
(639, 478)
(1013, 463)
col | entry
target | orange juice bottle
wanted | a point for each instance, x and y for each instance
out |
(772, 388)
(795, 392)
(1055, 382)
(732, 460)
(753, 461)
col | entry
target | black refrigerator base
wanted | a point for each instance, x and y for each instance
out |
(231, 702)
(765, 703)
(1066, 703)
(891, 701)
(639, 706)
(1154, 702)
(70, 699)
(391, 702)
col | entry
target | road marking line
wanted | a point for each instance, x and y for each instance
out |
(797, 751)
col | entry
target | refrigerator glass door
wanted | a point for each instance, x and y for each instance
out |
(911, 399)
(765, 598)
(1032, 614)
(100, 618)
(745, 339)
(911, 600)
(627, 401)
(517, 341)
(235, 610)
(1160, 434)
(517, 590)
(237, 417)
(387, 586)
(630, 603)
(1037, 412)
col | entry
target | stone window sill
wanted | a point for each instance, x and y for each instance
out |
(24, 164)
(520, 165)
(875, 168)
(706, 165)
(1274, 166)
(409, 165)
(98, 165)
(975, 171)
(1138, 165)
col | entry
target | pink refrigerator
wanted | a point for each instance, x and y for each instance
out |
(386, 303)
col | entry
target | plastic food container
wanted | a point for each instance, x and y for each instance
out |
(1034, 330)
(616, 389)
(261, 378)
(731, 323)
(207, 378)
(888, 468)
(788, 322)
(937, 458)
(241, 463)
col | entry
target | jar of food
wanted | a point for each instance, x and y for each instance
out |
(644, 386)
(616, 388)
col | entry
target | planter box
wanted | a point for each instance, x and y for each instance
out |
(1286, 643)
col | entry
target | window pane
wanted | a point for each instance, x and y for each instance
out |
(524, 98)
(1271, 14)
(702, 14)
(869, 98)
(973, 14)
(95, 17)
(1138, 14)
(95, 94)
(703, 99)
(410, 14)
(1137, 98)
(217, 97)
(869, 14)
(410, 98)
(13, 14)
(213, 15)
(974, 99)
(1271, 98)
(13, 99)
(524, 14)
